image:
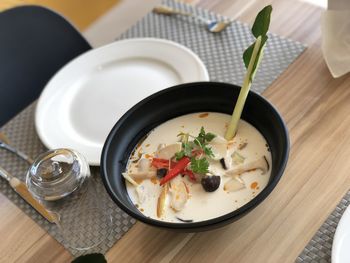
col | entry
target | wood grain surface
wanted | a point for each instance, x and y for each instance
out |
(316, 108)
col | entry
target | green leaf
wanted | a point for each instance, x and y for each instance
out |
(202, 132)
(179, 155)
(248, 54)
(249, 51)
(186, 151)
(262, 22)
(184, 137)
(203, 137)
(260, 28)
(209, 136)
(187, 148)
(90, 258)
(200, 139)
(199, 166)
(208, 152)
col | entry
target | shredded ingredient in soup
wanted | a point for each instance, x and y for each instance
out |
(185, 171)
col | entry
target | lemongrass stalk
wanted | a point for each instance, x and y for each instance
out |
(237, 112)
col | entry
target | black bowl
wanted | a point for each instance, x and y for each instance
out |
(177, 101)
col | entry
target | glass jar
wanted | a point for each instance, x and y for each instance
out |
(61, 180)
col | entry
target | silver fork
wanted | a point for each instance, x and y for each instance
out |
(213, 26)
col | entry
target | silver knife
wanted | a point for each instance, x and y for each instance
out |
(22, 190)
(13, 150)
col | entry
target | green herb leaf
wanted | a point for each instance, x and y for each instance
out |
(179, 155)
(262, 22)
(90, 258)
(208, 151)
(199, 143)
(209, 136)
(184, 137)
(200, 139)
(260, 28)
(199, 166)
(249, 51)
(247, 55)
(202, 132)
(187, 148)
(203, 137)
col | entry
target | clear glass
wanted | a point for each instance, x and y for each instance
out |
(61, 180)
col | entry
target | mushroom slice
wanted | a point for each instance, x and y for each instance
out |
(162, 201)
(233, 185)
(143, 175)
(179, 194)
(168, 151)
(261, 164)
(141, 193)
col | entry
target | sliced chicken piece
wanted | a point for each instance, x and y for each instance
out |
(144, 165)
(160, 146)
(261, 164)
(234, 185)
(162, 201)
(168, 151)
(179, 193)
(142, 175)
(141, 193)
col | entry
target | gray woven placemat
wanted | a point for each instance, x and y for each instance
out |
(319, 249)
(220, 52)
(21, 132)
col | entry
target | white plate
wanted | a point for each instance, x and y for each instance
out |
(341, 241)
(83, 101)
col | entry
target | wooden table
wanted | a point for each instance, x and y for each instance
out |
(316, 108)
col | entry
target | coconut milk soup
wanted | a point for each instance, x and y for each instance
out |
(185, 171)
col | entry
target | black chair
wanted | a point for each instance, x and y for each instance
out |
(35, 43)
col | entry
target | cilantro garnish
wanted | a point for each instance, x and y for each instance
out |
(203, 138)
(207, 150)
(199, 164)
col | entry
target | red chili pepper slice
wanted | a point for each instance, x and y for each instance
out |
(176, 170)
(190, 174)
(162, 163)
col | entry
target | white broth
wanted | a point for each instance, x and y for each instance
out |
(248, 144)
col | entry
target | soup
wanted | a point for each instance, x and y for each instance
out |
(185, 171)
